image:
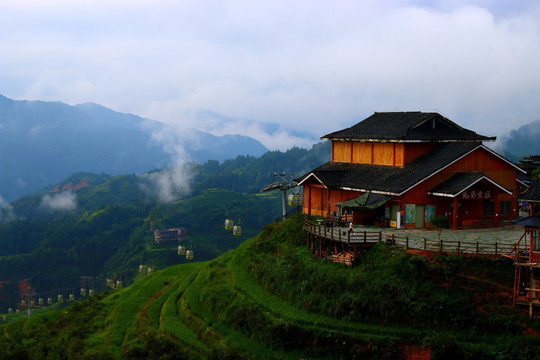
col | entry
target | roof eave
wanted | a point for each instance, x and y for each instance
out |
(457, 159)
(408, 140)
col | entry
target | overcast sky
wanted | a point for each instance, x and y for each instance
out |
(316, 66)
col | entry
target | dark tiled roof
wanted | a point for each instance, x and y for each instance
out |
(533, 193)
(529, 221)
(389, 179)
(457, 183)
(406, 126)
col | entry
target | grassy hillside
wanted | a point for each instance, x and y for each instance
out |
(270, 299)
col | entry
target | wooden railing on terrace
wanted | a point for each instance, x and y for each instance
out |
(342, 234)
(450, 246)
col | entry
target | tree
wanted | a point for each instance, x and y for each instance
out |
(440, 222)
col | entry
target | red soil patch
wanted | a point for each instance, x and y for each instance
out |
(416, 352)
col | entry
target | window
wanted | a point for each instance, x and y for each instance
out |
(488, 208)
(506, 207)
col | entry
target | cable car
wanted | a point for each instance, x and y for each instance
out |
(110, 283)
(32, 303)
(237, 230)
(181, 250)
(49, 301)
(150, 270)
(4, 318)
(141, 269)
(71, 297)
(40, 301)
(189, 254)
(83, 291)
(10, 310)
(91, 292)
(60, 298)
(23, 302)
(229, 224)
(118, 283)
(295, 199)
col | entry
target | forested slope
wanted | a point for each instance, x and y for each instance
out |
(270, 299)
(105, 228)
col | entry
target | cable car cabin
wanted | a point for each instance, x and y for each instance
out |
(60, 298)
(83, 291)
(189, 254)
(49, 301)
(150, 270)
(110, 283)
(237, 230)
(23, 302)
(32, 303)
(141, 269)
(295, 199)
(181, 250)
(118, 283)
(40, 301)
(229, 224)
(91, 292)
(71, 297)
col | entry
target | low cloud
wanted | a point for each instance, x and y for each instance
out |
(65, 201)
(168, 185)
(6, 211)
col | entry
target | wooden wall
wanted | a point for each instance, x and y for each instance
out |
(377, 153)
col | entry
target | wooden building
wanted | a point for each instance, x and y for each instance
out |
(170, 235)
(526, 253)
(425, 164)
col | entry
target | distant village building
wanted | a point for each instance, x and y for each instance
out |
(413, 166)
(529, 164)
(526, 253)
(169, 235)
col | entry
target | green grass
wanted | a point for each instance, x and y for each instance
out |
(230, 308)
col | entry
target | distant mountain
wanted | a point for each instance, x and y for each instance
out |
(522, 142)
(44, 142)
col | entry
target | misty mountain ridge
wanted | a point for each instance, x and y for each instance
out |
(43, 142)
(522, 142)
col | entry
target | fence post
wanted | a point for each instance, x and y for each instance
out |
(477, 248)
(365, 236)
(407, 243)
(425, 244)
(440, 246)
(393, 239)
(496, 248)
(380, 236)
(459, 246)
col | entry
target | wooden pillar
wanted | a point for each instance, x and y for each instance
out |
(496, 210)
(530, 247)
(455, 214)
(514, 210)
(531, 292)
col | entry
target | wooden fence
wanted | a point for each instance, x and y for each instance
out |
(342, 234)
(450, 246)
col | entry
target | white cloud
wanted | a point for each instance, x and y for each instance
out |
(6, 211)
(64, 201)
(309, 65)
(168, 185)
